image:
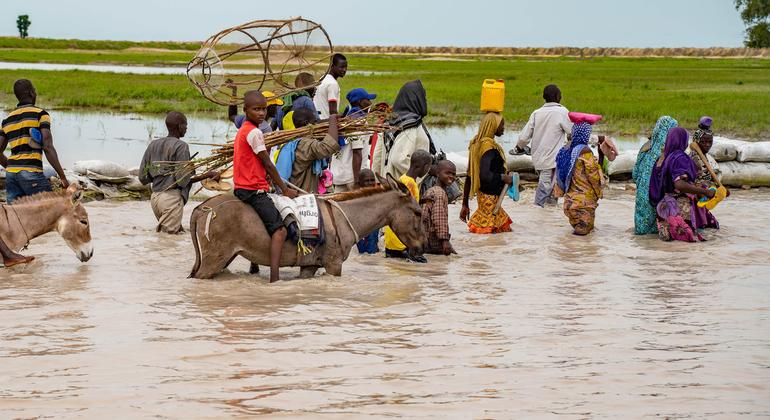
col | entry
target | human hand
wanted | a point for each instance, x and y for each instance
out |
(710, 193)
(64, 183)
(464, 212)
(728, 192)
(216, 176)
(446, 248)
(508, 179)
(291, 193)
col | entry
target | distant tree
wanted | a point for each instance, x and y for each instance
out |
(756, 16)
(22, 23)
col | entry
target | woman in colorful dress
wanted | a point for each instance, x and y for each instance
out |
(486, 178)
(579, 174)
(673, 191)
(645, 221)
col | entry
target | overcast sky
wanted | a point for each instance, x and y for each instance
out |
(518, 23)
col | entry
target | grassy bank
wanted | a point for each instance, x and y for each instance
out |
(630, 92)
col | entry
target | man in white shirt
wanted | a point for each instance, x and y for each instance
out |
(327, 95)
(347, 163)
(547, 129)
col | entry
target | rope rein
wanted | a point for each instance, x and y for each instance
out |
(26, 235)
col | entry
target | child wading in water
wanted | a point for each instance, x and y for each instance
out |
(369, 243)
(251, 166)
(579, 178)
(419, 165)
(435, 211)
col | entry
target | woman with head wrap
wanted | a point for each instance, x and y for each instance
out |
(673, 192)
(393, 153)
(705, 139)
(486, 178)
(579, 178)
(644, 213)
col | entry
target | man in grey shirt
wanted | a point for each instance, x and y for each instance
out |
(547, 129)
(170, 188)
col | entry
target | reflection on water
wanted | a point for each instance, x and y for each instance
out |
(122, 138)
(535, 323)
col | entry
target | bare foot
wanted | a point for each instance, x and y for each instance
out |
(16, 260)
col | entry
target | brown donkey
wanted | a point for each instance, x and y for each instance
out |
(223, 227)
(32, 216)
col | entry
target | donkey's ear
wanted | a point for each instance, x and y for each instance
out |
(397, 185)
(76, 193)
(381, 179)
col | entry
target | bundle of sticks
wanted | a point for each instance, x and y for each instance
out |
(222, 155)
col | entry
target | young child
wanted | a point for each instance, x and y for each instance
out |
(435, 211)
(347, 163)
(251, 166)
(419, 165)
(369, 243)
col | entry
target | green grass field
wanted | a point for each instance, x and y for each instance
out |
(630, 92)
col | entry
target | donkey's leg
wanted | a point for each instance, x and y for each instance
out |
(335, 269)
(213, 263)
(308, 271)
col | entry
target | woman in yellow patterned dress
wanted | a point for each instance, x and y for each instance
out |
(486, 178)
(579, 175)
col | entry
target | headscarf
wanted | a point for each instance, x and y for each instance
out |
(675, 164)
(568, 155)
(410, 106)
(483, 142)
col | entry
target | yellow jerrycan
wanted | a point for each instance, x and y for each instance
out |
(492, 95)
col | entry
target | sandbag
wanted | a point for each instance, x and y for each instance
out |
(726, 150)
(754, 152)
(103, 168)
(753, 174)
(623, 164)
(520, 163)
(460, 160)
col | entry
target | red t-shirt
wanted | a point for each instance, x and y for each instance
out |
(248, 171)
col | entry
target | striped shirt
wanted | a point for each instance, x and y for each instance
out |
(15, 129)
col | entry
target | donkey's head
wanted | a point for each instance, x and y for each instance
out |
(406, 218)
(73, 225)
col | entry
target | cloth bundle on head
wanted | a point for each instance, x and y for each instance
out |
(675, 164)
(483, 142)
(704, 128)
(568, 155)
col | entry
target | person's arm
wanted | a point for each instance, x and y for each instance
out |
(273, 172)
(52, 156)
(358, 157)
(329, 145)
(333, 93)
(332, 107)
(526, 133)
(3, 145)
(144, 168)
(682, 185)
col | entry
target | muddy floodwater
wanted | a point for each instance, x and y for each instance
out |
(531, 324)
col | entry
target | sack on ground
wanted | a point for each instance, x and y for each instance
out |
(753, 174)
(754, 152)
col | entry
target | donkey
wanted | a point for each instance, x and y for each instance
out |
(223, 227)
(32, 216)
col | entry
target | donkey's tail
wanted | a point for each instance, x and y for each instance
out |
(196, 214)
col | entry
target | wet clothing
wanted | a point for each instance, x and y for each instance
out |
(24, 183)
(483, 221)
(168, 207)
(435, 219)
(644, 212)
(16, 129)
(544, 191)
(391, 240)
(369, 244)
(307, 152)
(585, 190)
(162, 176)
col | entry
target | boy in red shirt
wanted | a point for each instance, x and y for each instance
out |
(251, 166)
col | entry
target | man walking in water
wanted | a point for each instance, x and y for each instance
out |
(547, 129)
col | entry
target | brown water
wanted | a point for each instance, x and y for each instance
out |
(536, 323)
